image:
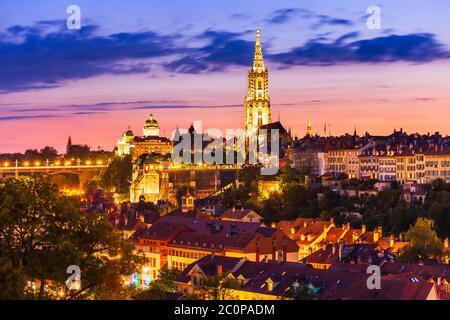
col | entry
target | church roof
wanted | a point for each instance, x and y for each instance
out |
(274, 125)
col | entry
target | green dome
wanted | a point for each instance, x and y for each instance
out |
(151, 123)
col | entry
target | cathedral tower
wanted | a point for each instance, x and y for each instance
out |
(257, 101)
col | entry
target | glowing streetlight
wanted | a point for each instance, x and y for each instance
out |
(99, 162)
(88, 162)
(26, 164)
(6, 164)
(57, 163)
(67, 163)
(37, 163)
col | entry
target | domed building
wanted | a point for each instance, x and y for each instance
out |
(151, 127)
(149, 142)
(124, 143)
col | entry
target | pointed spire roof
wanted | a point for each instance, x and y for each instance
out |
(309, 132)
(258, 62)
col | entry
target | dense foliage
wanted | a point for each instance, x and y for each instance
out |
(43, 232)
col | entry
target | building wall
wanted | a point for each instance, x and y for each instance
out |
(437, 166)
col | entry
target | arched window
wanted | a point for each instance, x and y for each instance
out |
(260, 116)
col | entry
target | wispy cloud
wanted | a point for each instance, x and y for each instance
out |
(37, 57)
(15, 118)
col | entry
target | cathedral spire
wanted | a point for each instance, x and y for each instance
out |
(257, 101)
(309, 132)
(258, 62)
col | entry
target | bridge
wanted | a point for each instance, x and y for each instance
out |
(84, 171)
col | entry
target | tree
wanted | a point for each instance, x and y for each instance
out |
(272, 208)
(117, 176)
(288, 177)
(158, 289)
(401, 218)
(439, 211)
(43, 233)
(49, 153)
(78, 151)
(300, 292)
(218, 287)
(32, 155)
(424, 243)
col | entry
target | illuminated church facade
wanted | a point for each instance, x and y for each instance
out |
(257, 102)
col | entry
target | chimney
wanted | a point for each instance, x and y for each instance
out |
(269, 284)
(219, 269)
(391, 240)
(376, 235)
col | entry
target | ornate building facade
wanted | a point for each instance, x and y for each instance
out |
(150, 142)
(257, 102)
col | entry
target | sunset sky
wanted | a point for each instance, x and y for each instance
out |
(186, 61)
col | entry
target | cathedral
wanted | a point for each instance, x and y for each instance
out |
(257, 101)
(257, 113)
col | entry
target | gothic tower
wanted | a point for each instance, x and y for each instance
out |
(257, 101)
